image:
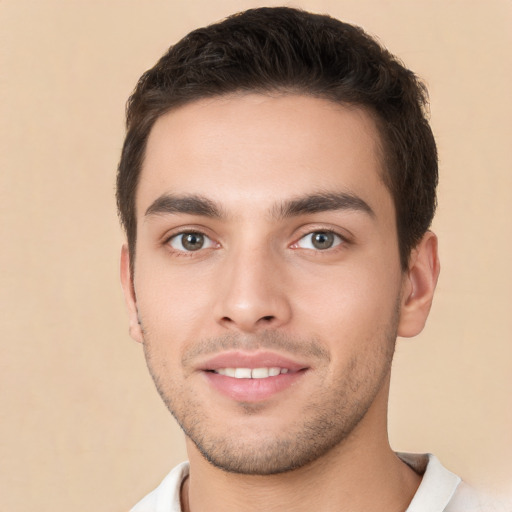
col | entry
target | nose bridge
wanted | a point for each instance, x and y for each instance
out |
(252, 293)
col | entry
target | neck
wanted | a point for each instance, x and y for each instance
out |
(360, 474)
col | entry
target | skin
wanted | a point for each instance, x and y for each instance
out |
(260, 285)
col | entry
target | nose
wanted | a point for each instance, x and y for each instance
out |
(252, 292)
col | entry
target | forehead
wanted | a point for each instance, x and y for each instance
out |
(250, 150)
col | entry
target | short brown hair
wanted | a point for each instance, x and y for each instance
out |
(292, 51)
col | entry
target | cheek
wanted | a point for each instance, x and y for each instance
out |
(171, 315)
(175, 303)
(348, 293)
(351, 311)
(171, 294)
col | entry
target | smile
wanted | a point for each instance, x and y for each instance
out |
(256, 376)
(251, 373)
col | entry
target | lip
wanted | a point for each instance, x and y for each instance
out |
(251, 390)
(238, 359)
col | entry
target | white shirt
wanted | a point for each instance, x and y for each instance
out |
(440, 490)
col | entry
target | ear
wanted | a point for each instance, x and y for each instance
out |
(129, 295)
(418, 286)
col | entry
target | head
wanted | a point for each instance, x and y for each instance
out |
(276, 185)
(284, 50)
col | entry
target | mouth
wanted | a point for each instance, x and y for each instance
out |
(252, 377)
(251, 373)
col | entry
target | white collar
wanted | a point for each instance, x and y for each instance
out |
(437, 487)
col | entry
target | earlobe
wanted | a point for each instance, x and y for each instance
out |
(129, 296)
(419, 285)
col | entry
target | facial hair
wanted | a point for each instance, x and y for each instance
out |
(336, 406)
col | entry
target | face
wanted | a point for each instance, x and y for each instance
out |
(267, 287)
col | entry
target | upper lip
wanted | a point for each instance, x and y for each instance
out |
(260, 359)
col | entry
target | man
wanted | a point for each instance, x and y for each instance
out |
(276, 185)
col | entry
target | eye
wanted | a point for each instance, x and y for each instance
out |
(189, 242)
(319, 240)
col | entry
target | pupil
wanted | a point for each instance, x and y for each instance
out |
(193, 241)
(323, 240)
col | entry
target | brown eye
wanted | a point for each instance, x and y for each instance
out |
(322, 240)
(192, 241)
(189, 242)
(319, 240)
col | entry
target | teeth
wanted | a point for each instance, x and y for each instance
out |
(229, 372)
(248, 373)
(260, 373)
(242, 373)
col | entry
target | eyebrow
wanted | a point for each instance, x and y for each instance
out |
(322, 202)
(308, 204)
(188, 204)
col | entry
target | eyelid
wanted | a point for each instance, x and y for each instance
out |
(175, 234)
(338, 240)
(208, 242)
(343, 237)
(343, 234)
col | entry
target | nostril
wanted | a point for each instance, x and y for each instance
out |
(267, 318)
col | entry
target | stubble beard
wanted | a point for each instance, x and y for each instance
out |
(326, 422)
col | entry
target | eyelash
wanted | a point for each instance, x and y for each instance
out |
(182, 234)
(339, 242)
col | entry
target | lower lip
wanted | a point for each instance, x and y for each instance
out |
(252, 390)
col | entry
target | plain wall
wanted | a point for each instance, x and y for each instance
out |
(82, 427)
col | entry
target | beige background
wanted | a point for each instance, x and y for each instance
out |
(82, 428)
